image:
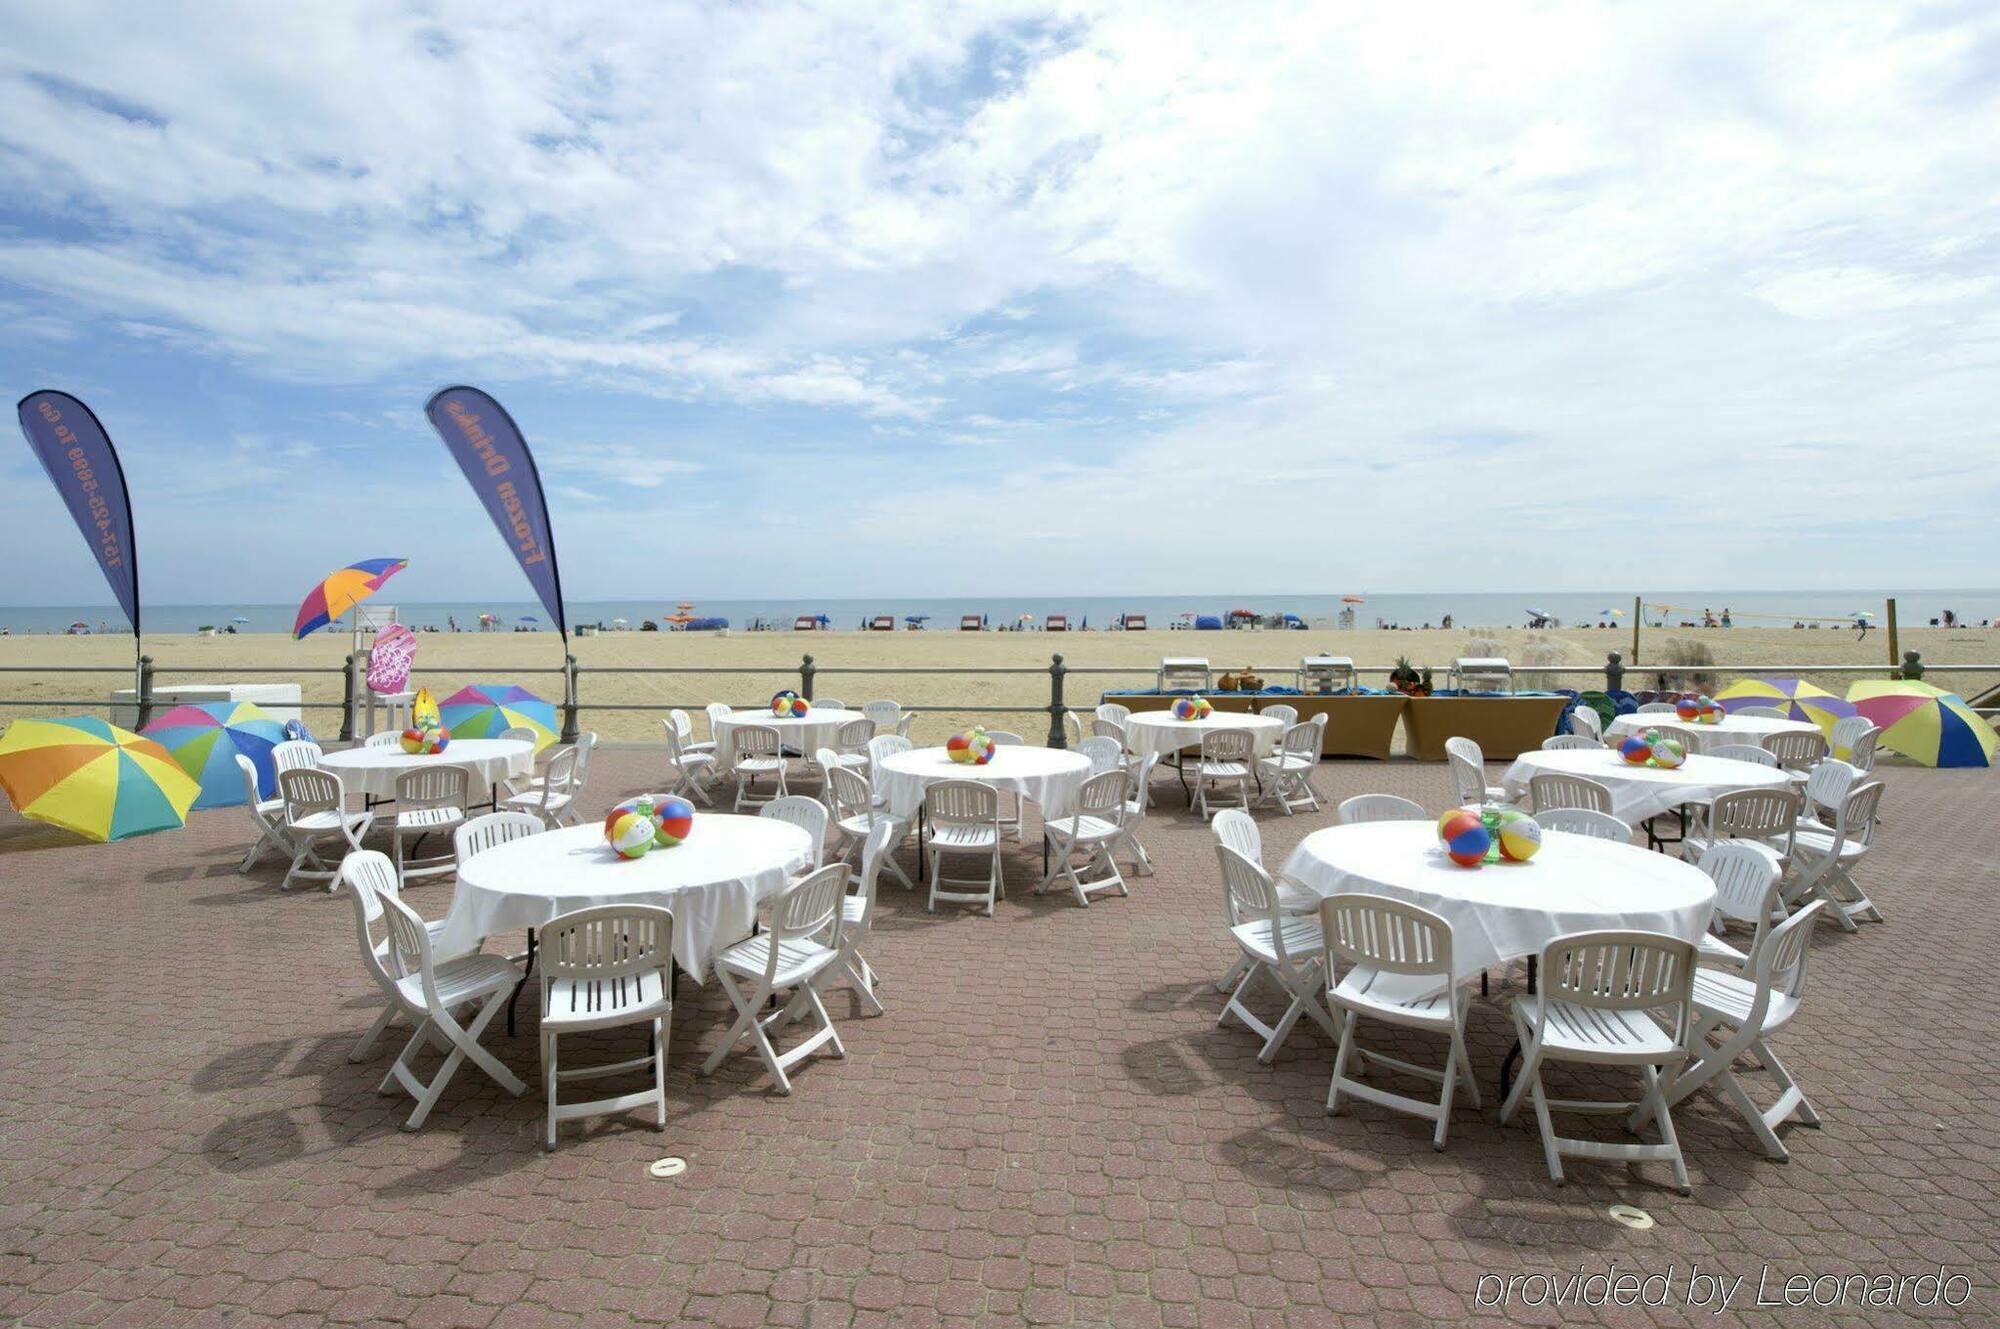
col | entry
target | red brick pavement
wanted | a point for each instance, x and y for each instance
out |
(1047, 1127)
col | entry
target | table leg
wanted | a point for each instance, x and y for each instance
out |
(516, 995)
(1507, 1069)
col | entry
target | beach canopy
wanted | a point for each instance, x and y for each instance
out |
(1926, 724)
(95, 779)
(1798, 699)
(340, 591)
(484, 710)
(204, 740)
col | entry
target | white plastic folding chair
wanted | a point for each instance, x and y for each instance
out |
(715, 711)
(808, 814)
(1287, 773)
(495, 828)
(1586, 721)
(1400, 972)
(1760, 712)
(1111, 729)
(315, 814)
(799, 951)
(1010, 802)
(1468, 773)
(854, 815)
(368, 876)
(887, 715)
(1861, 754)
(1548, 790)
(267, 813)
(520, 784)
(1103, 754)
(389, 738)
(688, 771)
(1734, 1016)
(1093, 830)
(1377, 807)
(1764, 818)
(1072, 728)
(1611, 998)
(850, 744)
(1286, 949)
(1658, 708)
(1826, 789)
(604, 968)
(1823, 862)
(1747, 892)
(1853, 741)
(586, 743)
(430, 800)
(756, 750)
(1584, 821)
(1286, 716)
(1571, 743)
(881, 746)
(1137, 800)
(1797, 751)
(1114, 712)
(964, 820)
(552, 800)
(683, 725)
(1227, 762)
(429, 993)
(294, 754)
(1749, 752)
(857, 916)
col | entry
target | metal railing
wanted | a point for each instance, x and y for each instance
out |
(1612, 672)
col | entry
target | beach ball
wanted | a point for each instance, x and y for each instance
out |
(972, 747)
(1687, 708)
(413, 741)
(1520, 836)
(789, 703)
(1668, 754)
(629, 832)
(1464, 837)
(1637, 749)
(1193, 708)
(436, 740)
(675, 819)
(1707, 712)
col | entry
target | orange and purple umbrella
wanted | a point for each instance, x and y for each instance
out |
(340, 591)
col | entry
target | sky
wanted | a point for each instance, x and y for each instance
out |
(936, 298)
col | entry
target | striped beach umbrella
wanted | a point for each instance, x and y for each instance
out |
(1798, 699)
(484, 710)
(340, 591)
(93, 778)
(205, 739)
(1926, 724)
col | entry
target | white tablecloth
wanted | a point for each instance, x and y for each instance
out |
(373, 771)
(1639, 793)
(1047, 777)
(1749, 729)
(1158, 731)
(713, 882)
(1504, 911)
(801, 733)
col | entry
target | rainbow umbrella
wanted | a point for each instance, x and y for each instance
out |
(340, 591)
(1798, 699)
(205, 739)
(1926, 724)
(93, 778)
(485, 709)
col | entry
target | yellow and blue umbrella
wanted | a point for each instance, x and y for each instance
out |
(485, 709)
(93, 778)
(204, 741)
(1926, 724)
(1798, 699)
(340, 591)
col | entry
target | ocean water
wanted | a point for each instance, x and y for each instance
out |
(1776, 608)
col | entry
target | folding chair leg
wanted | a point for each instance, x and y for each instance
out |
(375, 1031)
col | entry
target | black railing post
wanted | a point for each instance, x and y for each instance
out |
(145, 698)
(1913, 665)
(806, 678)
(570, 731)
(351, 697)
(1614, 672)
(1057, 738)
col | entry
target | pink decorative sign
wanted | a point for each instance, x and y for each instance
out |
(390, 658)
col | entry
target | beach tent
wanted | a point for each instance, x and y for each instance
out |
(1207, 623)
(1926, 724)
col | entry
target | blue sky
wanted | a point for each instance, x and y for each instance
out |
(970, 299)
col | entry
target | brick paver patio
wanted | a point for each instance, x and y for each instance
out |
(1047, 1127)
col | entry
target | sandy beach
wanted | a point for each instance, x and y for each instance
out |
(849, 664)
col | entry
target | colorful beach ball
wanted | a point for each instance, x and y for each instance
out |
(1707, 711)
(630, 831)
(1668, 753)
(972, 747)
(1193, 708)
(426, 742)
(1687, 708)
(789, 703)
(1637, 749)
(1464, 837)
(675, 818)
(1520, 836)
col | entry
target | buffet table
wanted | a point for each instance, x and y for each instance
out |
(1501, 726)
(1363, 724)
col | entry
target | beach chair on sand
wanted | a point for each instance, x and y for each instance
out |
(968, 623)
(1056, 623)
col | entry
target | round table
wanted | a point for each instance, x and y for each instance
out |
(1505, 911)
(1750, 729)
(1047, 777)
(374, 771)
(1640, 793)
(1159, 731)
(713, 882)
(804, 734)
